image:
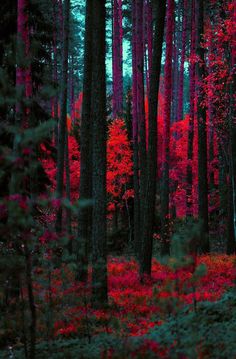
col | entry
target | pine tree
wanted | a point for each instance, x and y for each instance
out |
(151, 171)
(165, 244)
(63, 116)
(202, 134)
(99, 256)
(85, 190)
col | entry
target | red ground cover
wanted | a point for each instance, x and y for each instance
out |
(134, 307)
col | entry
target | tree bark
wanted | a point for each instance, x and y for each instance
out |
(181, 72)
(140, 109)
(62, 123)
(165, 243)
(192, 75)
(117, 52)
(151, 172)
(231, 242)
(99, 260)
(85, 189)
(202, 135)
(135, 133)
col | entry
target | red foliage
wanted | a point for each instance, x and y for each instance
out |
(139, 307)
(119, 162)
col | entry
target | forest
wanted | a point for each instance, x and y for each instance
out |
(117, 179)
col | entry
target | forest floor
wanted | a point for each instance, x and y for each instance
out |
(135, 310)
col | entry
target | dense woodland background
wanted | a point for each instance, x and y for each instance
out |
(117, 179)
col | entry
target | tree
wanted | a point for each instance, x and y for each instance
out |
(117, 58)
(151, 171)
(181, 71)
(135, 132)
(140, 107)
(202, 133)
(192, 74)
(62, 123)
(85, 189)
(165, 244)
(99, 259)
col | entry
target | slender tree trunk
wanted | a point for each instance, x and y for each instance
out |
(135, 133)
(149, 41)
(176, 60)
(192, 75)
(85, 189)
(55, 68)
(165, 244)
(23, 83)
(181, 72)
(61, 19)
(202, 135)
(99, 261)
(68, 195)
(20, 118)
(140, 108)
(72, 91)
(151, 172)
(32, 307)
(117, 51)
(231, 243)
(62, 123)
(21, 43)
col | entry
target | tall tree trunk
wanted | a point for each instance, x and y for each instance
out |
(202, 135)
(151, 172)
(140, 107)
(32, 307)
(62, 123)
(72, 91)
(181, 72)
(165, 244)
(117, 52)
(231, 243)
(148, 41)
(85, 189)
(55, 68)
(135, 133)
(68, 195)
(176, 60)
(99, 260)
(192, 75)
(23, 81)
(149, 34)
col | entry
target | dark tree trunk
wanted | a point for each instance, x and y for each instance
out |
(72, 90)
(202, 135)
(192, 75)
(176, 59)
(68, 195)
(135, 134)
(55, 68)
(165, 241)
(62, 123)
(85, 189)
(151, 171)
(140, 109)
(181, 71)
(29, 282)
(20, 118)
(117, 53)
(99, 260)
(231, 242)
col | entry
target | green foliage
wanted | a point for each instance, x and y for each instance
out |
(210, 331)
